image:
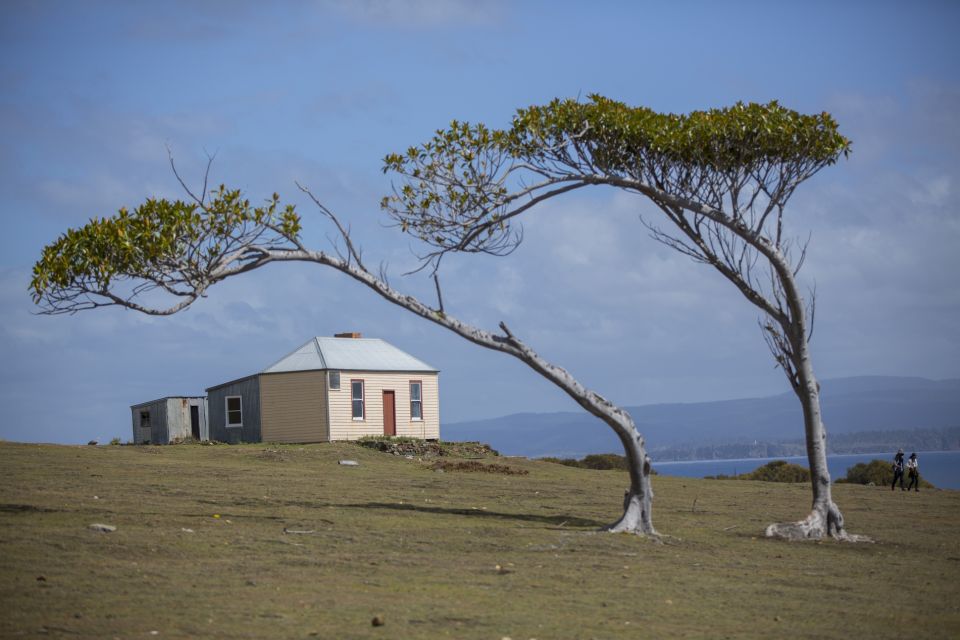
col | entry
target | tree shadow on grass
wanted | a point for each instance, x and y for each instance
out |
(557, 521)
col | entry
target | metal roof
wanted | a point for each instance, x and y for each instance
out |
(348, 354)
(143, 404)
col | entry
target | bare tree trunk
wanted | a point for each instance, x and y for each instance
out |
(825, 518)
(638, 499)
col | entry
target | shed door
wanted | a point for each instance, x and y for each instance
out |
(389, 414)
(195, 422)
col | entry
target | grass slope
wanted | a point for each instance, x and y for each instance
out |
(421, 548)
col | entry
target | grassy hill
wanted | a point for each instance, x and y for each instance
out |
(268, 541)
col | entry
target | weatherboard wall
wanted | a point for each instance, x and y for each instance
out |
(249, 391)
(157, 432)
(294, 407)
(344, 427)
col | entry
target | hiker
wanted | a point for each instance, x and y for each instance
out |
(897, 470)
(913, 470)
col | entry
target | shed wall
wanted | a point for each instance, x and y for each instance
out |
(344, 427)
(294, 407)
(178, 424)
(157, 433)
(249, 390)
(178, 418)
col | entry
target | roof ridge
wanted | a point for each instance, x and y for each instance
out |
(316, 345)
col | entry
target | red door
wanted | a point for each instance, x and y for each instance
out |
(389, 414)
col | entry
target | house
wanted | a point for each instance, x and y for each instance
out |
(339, 388)
(169, 419)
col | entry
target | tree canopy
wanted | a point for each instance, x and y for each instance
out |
(178, 248)
(463, 187)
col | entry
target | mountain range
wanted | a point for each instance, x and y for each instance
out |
(850, 405)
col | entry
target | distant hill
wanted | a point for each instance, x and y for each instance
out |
(866, 403)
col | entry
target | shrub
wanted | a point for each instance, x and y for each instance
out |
(878, 472)
(567, 462)
(389, 439)
(115, 441)
(773, 471)
(596, 461)
(778, 471)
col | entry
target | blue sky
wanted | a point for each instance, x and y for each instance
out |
(93, 93)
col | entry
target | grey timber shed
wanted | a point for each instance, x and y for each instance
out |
(330, 388)
(170, 419)
(243, 397)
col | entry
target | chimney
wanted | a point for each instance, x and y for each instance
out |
(348, 334)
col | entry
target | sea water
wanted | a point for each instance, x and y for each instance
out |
(941, 468)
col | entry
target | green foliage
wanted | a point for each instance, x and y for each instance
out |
(778, 471)
(605, 462)
(773, 471)
(461, 188)
(567, 462)
(471, 152)
(877, 472)
(116, 441)
(717, 139)
(174, 245)
(596, 461)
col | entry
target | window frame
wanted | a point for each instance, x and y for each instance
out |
(226, 413)
(363, 400)
(145, 413)
(419, 401)
(331, 375)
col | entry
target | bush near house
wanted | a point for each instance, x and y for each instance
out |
(877, 472)
(404, 446)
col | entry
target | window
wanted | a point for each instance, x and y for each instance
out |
(234, 411)
(416, 400)
(144, 419)
(356, 399)
(335, 380)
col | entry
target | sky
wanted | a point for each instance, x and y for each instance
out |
(93, 94)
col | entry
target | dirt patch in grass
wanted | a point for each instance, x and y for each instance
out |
(273, 455)
(477, 467)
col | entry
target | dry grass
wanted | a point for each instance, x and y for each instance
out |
(304, 547)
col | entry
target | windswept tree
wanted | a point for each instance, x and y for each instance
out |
(720, 178)
(164, 255)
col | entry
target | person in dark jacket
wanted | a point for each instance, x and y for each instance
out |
(913, 471)
(897, 470)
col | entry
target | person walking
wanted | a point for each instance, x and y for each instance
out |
(897, 470)
(913, 471)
